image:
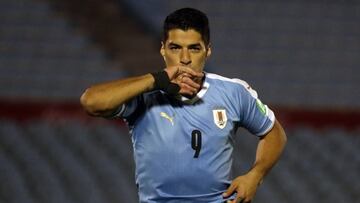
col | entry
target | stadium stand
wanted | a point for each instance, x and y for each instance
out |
(306, 50)
(66, 161)
(43, 57)
(51, 152)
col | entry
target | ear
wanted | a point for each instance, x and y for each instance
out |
(162, 49)
(208, 51)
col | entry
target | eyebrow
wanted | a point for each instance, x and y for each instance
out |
(174, 44)
(197, 45)
(190, 46)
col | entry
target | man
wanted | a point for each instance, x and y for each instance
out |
(182, 120)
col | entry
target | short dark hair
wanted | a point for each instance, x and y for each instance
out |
(185, 19)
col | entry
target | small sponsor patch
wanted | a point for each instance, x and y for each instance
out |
(261, 106)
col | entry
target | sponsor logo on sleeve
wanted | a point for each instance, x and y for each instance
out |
(262, 108)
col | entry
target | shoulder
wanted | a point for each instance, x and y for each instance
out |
(228, 81)
(234, 83)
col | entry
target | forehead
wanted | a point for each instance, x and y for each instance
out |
(184, 37)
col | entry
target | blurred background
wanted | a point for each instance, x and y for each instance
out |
(301, 56)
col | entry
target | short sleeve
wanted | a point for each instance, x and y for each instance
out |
(255, 116)
(130, 109)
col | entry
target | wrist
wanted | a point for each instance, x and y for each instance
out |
(162, 82)
(257, 174)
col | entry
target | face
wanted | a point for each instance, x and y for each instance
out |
(185, 48)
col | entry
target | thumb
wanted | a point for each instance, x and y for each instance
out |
(229, 191)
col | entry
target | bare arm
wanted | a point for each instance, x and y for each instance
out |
(103, 99)
(268, 152)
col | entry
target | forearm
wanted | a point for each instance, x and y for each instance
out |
(104, 98)
(268, 151)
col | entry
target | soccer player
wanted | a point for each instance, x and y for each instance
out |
(182, 120)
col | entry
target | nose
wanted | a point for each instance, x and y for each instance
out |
(185, 58)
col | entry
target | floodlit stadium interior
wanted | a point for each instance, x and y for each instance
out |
(302, 57)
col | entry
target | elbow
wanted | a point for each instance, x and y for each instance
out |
(89, 103)
(284, 137)
(281, 132)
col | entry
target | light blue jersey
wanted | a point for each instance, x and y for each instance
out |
(183, 148)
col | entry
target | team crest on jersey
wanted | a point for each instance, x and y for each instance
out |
(220, 118)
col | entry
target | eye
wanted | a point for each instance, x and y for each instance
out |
(174, 48)
(195, 49)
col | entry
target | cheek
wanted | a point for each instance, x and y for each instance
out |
(200, 60)
(200, 63)
(170, 59)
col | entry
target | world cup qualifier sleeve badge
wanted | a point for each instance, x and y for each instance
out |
(220, 118)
